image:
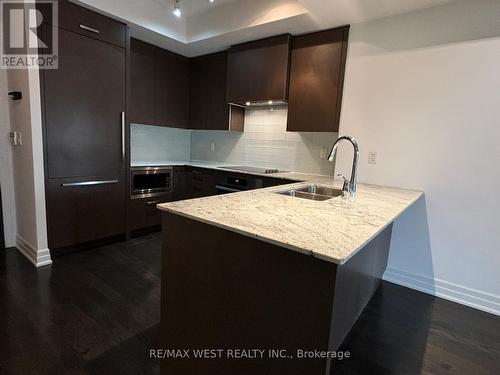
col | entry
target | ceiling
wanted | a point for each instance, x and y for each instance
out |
(206, 27)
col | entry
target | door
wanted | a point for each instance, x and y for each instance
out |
(84, 148)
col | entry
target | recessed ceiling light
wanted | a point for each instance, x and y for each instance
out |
(211, 1)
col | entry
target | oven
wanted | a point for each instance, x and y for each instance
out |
(229, 183)
(150, 181)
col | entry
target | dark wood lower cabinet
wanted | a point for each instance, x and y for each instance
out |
(143, 212)
(223, 290)
(78, 214)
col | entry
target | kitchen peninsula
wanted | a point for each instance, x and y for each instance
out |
(271, 271)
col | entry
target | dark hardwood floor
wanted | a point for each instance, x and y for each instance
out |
(98, 311)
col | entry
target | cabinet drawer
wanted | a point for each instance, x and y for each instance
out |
(143, 212)
(86, 22)
(79, 213)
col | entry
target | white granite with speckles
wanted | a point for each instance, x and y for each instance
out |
(333, 230)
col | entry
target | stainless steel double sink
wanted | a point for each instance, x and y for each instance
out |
(312, 192)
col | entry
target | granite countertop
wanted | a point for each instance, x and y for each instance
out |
(333, 230)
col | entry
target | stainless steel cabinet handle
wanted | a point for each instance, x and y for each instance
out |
(123, 137)
(88, 28)
(152, 202)
(89, 183)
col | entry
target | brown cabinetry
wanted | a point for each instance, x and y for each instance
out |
(258, 71)
(84, 129)
(83, 21)
(159, 86)
(172, 89)
(208, 106)
(143, 211)
(202, 182)
(316, 80)
(142, 82)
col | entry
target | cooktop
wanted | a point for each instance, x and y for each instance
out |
(244, 168)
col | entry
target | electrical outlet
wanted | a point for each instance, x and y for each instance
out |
(212, 146)
(372, 157)
(322, 153)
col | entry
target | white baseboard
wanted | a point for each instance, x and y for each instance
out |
(39, 258)
(453, 292)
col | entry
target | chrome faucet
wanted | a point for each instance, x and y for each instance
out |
(350, 186)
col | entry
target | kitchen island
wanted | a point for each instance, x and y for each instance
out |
(261, 270)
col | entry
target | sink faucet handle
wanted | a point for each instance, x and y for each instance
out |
(343, 177)
(346, 188)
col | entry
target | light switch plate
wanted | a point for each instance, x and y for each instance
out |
(372, 157)
(212, 146)
(322, 153)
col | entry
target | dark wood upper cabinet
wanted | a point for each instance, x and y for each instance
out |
(258, 71)
(172, 89)
(86, 22)
(142, 82)
(316, 80)
(208, 108)
(159, 82)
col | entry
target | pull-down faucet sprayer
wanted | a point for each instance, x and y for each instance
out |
(350, 186)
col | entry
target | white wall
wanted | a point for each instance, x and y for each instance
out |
(423, 91)
(6, 173)
(25, 116)
(265, 143)
(157, 143)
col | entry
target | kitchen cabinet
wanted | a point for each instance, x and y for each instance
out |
(159, 83)
(77, 19)
(202, 183)
(208, 108)
(172, 89)
(258, 71)
(181, 186)
(316, 81)
(84, 139)
(142, 82)
(143, 211)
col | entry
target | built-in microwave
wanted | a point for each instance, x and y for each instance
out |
(150, 181)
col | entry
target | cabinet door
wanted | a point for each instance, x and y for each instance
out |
(208, 108)
(217, 115)
(316, 81)
(198, 83)
(144, 213)
(258, 71)
(172, 90)
(79, 214)
(84, 100)
(142, 82)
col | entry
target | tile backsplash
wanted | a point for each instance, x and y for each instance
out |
(156, 143)
(265, 143)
